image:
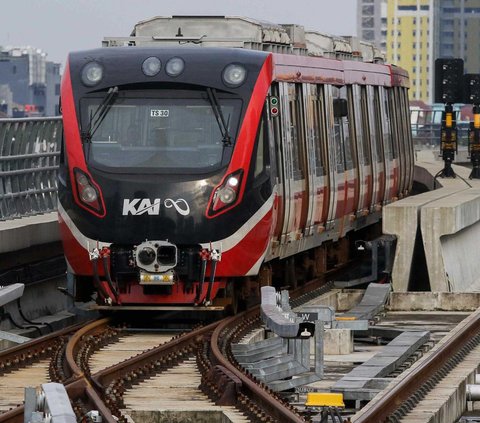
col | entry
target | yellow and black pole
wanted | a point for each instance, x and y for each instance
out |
(448, 141)
(474, 143)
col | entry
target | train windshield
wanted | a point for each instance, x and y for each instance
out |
(171, 129)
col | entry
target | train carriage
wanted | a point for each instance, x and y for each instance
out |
(192, 175)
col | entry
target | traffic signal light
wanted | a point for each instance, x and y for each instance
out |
(448, 80)
(471, 88)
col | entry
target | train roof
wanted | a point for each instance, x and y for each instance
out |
(242, 32)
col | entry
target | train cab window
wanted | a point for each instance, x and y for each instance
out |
(296, 128)
(159, 130)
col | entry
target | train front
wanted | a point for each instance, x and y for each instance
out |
(165, 192)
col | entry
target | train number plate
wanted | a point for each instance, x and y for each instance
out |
(159, 113)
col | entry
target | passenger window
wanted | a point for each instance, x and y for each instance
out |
(262, 157)
(390, 111)
(378, 124)
(365, 125)
(319, 129)
(347, 131)
(297, 135)
(341, 135)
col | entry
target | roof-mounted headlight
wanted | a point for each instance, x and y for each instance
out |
(92, 74)
(234, 75)
(151, 66)
(175, 66)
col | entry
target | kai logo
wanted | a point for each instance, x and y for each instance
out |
(139, 206)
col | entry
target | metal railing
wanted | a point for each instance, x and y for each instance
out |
(29, 158)
(426, 125)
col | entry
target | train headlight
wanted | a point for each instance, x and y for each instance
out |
(226, 194)
(234, 75)
(175, 66)
(151, 66)
(146, 256)
(88, 193)
(92, 74)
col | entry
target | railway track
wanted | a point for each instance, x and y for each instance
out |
(102, 364)
(123, 373)
(436, 372)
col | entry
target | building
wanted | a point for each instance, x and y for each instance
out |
(34, 83)
(410, 34)
(457, 31)
(372, 22)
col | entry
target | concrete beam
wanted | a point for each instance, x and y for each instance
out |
(402, 218)
(10, 293)
(17, 234)
(450, 231)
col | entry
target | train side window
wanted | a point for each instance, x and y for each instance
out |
(341, 132)
(387, 123)
(338, 137)
(378, 124)
(262, 156)
(347, 130)
(320, 129)
(390, 107)
(296, 113)
(365, 125)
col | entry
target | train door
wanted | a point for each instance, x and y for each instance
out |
(390, 160)
(364, 165)
(366, 200)
(293, 150)
(314, 105)
(376, 148)
(283, 170)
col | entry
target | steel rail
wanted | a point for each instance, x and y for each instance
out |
(395, 397)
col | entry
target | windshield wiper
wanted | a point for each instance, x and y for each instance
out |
(217, 111)
(101, 111)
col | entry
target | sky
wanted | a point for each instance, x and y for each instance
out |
(60, 26)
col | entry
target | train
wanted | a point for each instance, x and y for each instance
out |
(205, 157)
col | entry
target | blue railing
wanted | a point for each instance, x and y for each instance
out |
(29, 156)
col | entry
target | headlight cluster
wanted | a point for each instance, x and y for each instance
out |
(233, 75)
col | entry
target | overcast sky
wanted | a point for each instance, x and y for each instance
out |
(60, 26)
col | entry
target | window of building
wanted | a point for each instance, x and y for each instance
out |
(414, 33)
(425, 7)
(414, 69)
(407, 7)
(414, 21)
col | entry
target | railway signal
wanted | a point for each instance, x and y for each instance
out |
(448, 90)
(471, 88)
